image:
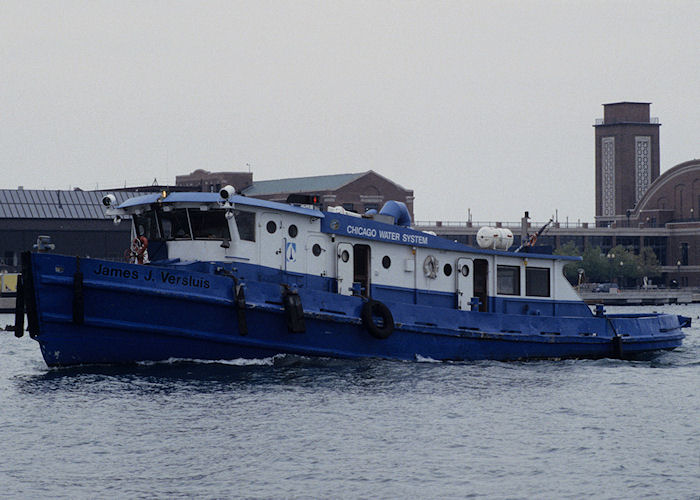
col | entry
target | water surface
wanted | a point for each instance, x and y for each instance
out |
(300, 428)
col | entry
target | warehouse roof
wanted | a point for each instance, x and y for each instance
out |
(301, 184)
(55, 204)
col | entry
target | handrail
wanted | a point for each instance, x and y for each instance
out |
(508, 224)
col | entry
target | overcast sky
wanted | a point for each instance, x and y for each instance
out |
(475, 104)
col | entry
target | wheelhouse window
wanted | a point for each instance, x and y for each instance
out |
(146, 225)
(175, 224)
(209, 225)
(508, 280)
(246, 224)
(537, 282)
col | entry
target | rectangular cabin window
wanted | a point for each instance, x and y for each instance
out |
(175, 224)
(246, 224)
(146, 225)
(209, 224)
(508, 280)
(537, 282)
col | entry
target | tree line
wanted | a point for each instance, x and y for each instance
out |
(619, 265)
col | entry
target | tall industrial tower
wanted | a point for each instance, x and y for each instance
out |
(626, 159)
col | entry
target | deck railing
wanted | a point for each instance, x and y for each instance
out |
(508, 224)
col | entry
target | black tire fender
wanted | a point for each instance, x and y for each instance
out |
(373, 308)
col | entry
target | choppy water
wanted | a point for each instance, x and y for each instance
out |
(345, 429)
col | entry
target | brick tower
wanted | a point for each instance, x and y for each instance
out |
(626, 158)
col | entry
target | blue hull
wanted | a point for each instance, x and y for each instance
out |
(92, 311)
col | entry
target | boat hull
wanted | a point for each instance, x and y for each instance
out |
(85, 311)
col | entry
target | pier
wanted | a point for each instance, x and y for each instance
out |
(641, 296)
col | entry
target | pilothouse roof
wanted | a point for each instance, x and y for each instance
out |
(190, 198)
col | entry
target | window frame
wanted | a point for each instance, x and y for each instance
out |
(208, 214)
(528, 287)
(517, 288)
(245, 216)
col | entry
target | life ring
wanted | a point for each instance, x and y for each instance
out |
(430, 267)
(138, 252)
(372, 309)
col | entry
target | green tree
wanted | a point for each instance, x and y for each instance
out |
(623, 265)
(571, 270)
(618, 265)
(648, 263)
(596, 266)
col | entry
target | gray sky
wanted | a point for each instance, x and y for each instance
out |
(474, 104)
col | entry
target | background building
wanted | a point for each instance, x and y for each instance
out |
(635, 206)
(626, 159)
(75, 220)
(212, 182)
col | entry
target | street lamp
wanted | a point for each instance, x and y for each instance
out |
(619, 282)
(678, 266)
(611, 258)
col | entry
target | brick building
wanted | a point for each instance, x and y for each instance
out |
(203, 180)
(626, 158)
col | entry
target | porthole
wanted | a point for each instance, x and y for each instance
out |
(293, 231)
(386, 262)
(271, 227)
(345, 256)
(447, 269)
(316, 249)
(464, 270)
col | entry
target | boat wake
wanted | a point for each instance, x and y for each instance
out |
(230, 362)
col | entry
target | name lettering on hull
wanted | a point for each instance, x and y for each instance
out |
(167, 277)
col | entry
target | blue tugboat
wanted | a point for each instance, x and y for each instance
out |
(219, 276)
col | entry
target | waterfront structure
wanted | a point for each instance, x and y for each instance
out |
(636, 206)
(212, 182)
(75, 221)
(626, 159)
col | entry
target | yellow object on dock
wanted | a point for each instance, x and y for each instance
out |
(8, 282)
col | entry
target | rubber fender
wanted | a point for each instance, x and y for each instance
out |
(617, 347)
(78, 296)
(19, 308)
(240, 310)
(374, 309)
(294, 312)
